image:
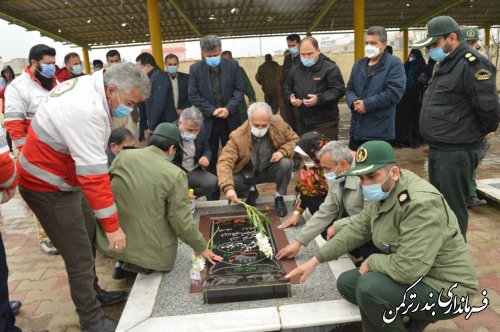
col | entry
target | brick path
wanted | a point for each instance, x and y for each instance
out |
(40, 280)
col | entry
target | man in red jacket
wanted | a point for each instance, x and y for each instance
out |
(65, 181)
(22, 98)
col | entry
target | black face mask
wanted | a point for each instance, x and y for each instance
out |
(46, 82)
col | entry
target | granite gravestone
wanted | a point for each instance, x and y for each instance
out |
(245, 273)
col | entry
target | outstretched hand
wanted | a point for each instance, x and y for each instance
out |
(304, 270)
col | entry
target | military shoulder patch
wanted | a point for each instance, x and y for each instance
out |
(483, 74)
(404, 197)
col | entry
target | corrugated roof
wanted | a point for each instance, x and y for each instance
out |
(95, 23)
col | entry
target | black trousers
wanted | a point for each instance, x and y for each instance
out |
(7, 319)
(71, 225)
(219, 135)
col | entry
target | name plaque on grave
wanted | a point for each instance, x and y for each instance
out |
(245, 273)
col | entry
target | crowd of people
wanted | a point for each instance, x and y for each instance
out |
(79, 168)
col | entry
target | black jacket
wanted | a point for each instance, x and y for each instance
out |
(183, 82)
(160, 104)
(323, 79)
(200, 92)
(202, 148)
(288, 63)
(460, 105)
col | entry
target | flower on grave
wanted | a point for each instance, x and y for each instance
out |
(264, 245)
(198, 264)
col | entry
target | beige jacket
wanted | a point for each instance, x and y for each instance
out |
(238, 150)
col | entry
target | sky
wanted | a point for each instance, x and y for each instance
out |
(15, 42)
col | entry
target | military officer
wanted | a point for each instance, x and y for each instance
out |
(459, 110)
(471, 36)
(344, 198)
(411, 223)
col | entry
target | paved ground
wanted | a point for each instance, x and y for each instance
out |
(40, 281)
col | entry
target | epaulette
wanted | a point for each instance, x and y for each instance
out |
(404, 197)
(471, 58)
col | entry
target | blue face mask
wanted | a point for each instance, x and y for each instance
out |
(122, 111)
(332, 177)
(48, 70)
(172, 70)
(213, 61)
(437, 54)
(293, 50)
(307, 62)
(76, 69)
(374, 192)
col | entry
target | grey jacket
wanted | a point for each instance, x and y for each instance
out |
(346, 196)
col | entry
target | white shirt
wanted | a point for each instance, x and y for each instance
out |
(175, 89)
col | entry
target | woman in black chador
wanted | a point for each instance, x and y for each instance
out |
(408, 110)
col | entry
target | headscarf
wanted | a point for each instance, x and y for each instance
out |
(311, 181)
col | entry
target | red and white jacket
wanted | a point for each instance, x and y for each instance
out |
(66, 143)
(22, 98)
(8, 174)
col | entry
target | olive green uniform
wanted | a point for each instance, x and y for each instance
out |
(420, 236)
(342, 198)
(151, 195)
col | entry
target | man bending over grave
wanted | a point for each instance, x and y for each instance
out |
(259, 151)
(344, 199)
(151, 195)
(425, 272)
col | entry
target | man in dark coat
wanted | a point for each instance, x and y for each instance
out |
(376, 85)
(314, 87)
(269, 76)
(160, 105)
(216, 88)
(196, 154)
(179, 82)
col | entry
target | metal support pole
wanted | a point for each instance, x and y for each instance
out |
(405, 45)
(155, 32)
(86, 60)
(359, 29)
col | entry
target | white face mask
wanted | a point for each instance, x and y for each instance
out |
(371, 51)
(259, 132)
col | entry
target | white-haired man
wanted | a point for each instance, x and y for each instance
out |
(258, 151)
(64, 177)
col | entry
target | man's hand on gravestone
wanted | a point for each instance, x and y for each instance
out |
(290, 251)
(291, 221)
(232, 196)
(304, 270)
(210, 256)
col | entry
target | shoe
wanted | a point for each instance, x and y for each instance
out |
(474, 201)
(136, 268)
(48, 248)
(15, 306)
(109, 298)
(279, 206)
(252, 197)
(103, 324)
(119, 273)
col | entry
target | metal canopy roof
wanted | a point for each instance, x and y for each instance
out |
(97, 23)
